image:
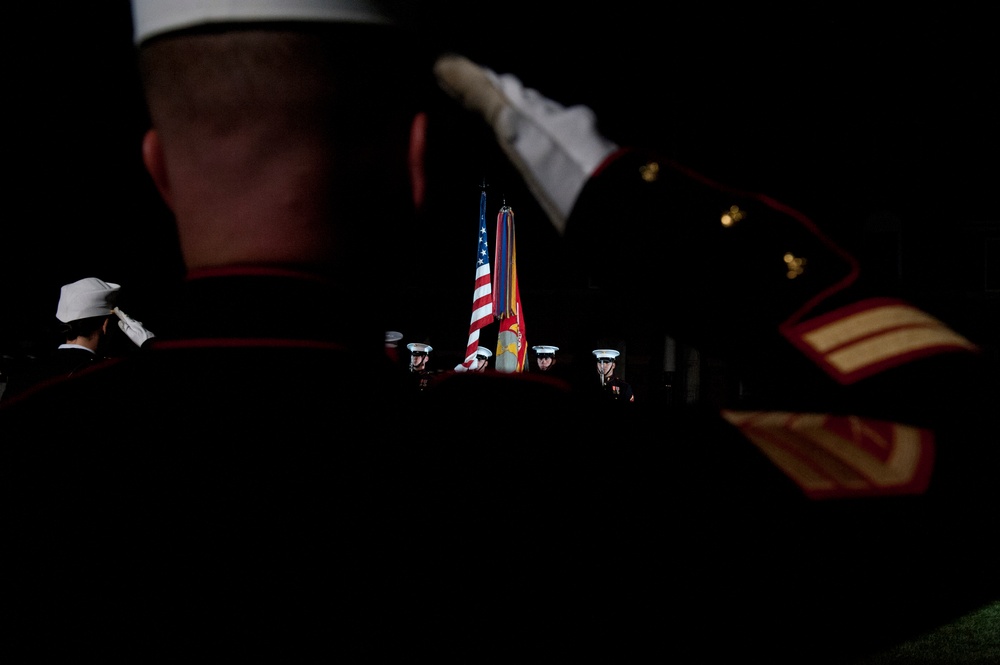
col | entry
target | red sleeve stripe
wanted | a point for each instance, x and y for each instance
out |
(841, 456)
(873, 335)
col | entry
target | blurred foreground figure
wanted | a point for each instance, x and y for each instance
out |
(236, 492)
(237, 488)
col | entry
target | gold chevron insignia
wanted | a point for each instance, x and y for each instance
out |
(841, 456)
(871, 336)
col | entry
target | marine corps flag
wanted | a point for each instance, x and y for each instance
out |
(512, 346)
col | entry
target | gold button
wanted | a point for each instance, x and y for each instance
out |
(650, 171)
(796, 265)
(732, 216)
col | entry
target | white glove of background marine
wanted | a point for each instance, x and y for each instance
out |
(556, 149)
(134, 329)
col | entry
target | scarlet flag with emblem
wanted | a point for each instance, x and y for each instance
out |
(482, 293)
(511, 342)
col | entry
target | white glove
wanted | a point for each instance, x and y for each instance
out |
(460, 367)
(134, 329)
(555, 148)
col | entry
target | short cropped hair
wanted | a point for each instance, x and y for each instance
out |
(81, 327)
(307, 77)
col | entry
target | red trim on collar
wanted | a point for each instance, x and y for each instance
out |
(251, 271)
(246, 343)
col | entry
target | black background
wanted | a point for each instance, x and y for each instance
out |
(882, 128)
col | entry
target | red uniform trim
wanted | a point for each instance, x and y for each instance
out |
(831, 457)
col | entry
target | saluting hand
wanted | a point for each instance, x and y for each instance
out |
(134, 329)
(555, 148)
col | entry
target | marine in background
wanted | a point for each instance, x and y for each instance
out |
(482, 362)
(610, 386)
(545, 357)
(86, 311)
(420, 359)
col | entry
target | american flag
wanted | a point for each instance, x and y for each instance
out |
(482, 294)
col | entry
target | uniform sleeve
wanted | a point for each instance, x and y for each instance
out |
(743, 274)
(848, 364)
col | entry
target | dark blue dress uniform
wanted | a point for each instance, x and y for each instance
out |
(756, 281)
(608, 387)
(60, 362)
(258, 457)
(253, 484)
(618, 390)
(173, 499)
(869, 443)
(423, 379)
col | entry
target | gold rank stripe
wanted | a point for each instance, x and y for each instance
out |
(841, 456)
(871, 336)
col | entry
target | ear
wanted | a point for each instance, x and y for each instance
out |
(418, 148)
(152, 157)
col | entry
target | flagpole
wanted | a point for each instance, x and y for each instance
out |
(482, 293)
